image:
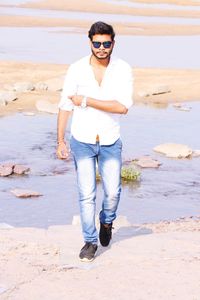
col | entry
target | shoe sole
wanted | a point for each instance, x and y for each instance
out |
(86, 259)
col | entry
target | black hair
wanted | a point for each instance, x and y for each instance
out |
(101, 28)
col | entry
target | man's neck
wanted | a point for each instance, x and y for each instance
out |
(94, 61)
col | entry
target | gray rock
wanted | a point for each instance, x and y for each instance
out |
(147, 162)
(23, 193)
(6, 97)
(5, 171)
(174, 150)
(22, 87)
(46, 106)
(20, 169)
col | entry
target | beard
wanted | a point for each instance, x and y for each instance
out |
(102, 55)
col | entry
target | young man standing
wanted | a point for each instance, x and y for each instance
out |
(97, 90)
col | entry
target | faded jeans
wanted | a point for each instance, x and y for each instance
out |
(108, 157)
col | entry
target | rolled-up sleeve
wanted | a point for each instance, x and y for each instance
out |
(69, 89)
(125, 88)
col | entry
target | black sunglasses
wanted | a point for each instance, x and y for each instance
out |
(106, 45)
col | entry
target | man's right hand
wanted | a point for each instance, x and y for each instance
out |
(62, 151)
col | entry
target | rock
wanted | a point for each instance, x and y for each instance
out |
(163, 89)
(143, 94)
(121, 221)
(46, 106)
(196, 153)
(5, 226)
(20, 169)
(177, 105)
(29, 114)
(22, 87)
(5, 170)
(174, 150)
(22, 193)
(147, 162)
(55, 84)
(41, 86)
(6, 97)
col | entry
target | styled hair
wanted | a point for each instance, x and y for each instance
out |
(101, 28)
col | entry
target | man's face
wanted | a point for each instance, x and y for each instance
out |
(102, 46)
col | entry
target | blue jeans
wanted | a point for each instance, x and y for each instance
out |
(108, 157)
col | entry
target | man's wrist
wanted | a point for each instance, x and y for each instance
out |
(60, 142)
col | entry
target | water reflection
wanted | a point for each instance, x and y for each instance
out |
(166, 193)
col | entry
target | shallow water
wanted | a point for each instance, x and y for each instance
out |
(52, 45)
(170, 192)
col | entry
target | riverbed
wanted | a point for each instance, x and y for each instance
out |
(167, 193)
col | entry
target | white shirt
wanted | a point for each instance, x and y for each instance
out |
(117, 84)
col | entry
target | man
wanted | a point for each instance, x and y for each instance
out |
(98, 89)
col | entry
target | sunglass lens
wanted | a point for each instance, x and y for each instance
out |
(96, 44)
(107, 44)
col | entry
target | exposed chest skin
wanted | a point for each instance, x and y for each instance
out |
(99, 73)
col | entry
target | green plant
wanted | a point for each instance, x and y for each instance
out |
(129, 173)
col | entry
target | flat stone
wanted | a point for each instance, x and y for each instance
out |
(196, 153)
(174, 150)
(41, 86)
(23, 193)
(6, 97)
(5, 171)
(20, 169)
(55, 84)
(147, 162)
(23, 87)
(162, 89)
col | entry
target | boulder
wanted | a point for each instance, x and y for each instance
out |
(23, 193)
(20, 169)
(147, 162)
(22, 87)
(46, 106)
(174, 150)
(6, 97)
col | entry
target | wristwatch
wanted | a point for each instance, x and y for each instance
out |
(84, 102)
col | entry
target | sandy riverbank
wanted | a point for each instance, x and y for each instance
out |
(122, 27)
(153, 261)
(183, 84)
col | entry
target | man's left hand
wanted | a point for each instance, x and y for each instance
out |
(76, 99)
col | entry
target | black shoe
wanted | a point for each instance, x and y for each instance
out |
(88, 251)
(105, 234)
